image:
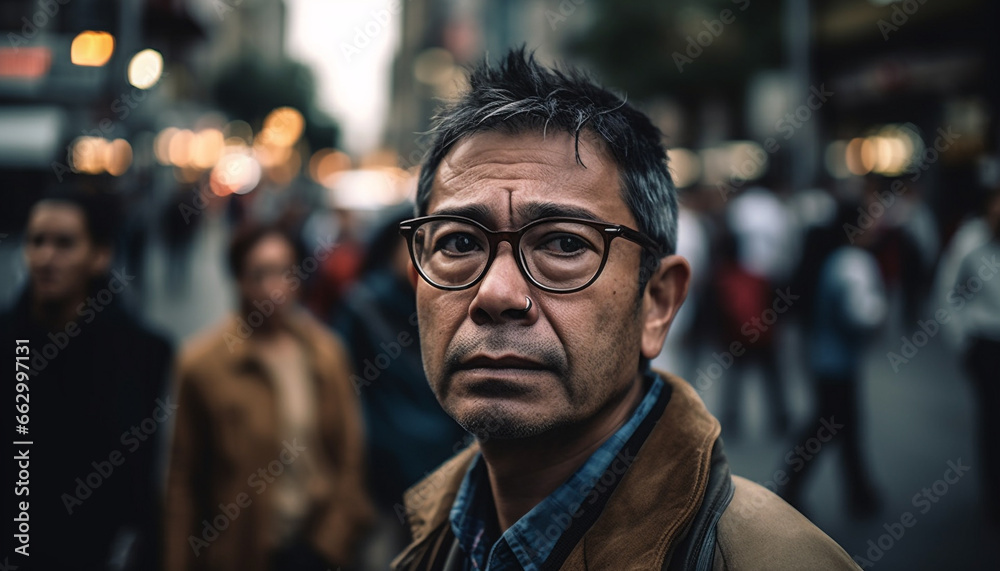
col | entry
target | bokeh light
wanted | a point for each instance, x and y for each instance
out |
(92, 49)
(145, 69)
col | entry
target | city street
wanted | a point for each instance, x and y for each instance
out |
(916, 422)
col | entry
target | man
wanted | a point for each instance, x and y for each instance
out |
(94, 408)
(975, 300)
(266, 463)
(537, 326)
(848, 306)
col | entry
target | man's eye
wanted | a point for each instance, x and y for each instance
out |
(457, 243)
(564, 244)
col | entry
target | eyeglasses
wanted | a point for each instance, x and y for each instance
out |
(559, 255)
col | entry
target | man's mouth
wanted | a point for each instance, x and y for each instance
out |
(500, 376)
(505, 362)
(45, 277)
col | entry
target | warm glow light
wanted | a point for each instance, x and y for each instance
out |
(145, 69)
(283, 127)
(179, 150)
(235, 173)
(206, 148)
(869, 154)
(269, 154)
(87, 155)
(117, 157)
(853, 157)
(96, 155)
(91, 48)
(161, 145)
(327, 162)
(894, 149)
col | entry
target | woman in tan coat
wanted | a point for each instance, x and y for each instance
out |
(266, 463)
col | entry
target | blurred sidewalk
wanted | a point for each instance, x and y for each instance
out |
(917, 420)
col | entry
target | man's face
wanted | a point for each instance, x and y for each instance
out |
(505, 373)
(60, 255)
(267, 274)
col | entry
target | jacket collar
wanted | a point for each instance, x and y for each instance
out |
(241, 345)
(650, 511)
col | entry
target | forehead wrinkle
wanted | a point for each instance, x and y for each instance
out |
(478, 168)
(546, 153)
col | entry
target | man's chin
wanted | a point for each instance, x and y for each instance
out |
(502, 421)
(50, 295)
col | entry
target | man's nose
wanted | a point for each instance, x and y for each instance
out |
(503, 291)
(40, 254)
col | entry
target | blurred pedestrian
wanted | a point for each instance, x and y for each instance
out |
(94, 398)
(850, 305)
(341, 268)
(408, 434)
(755, 263)
(976, 300)
(266, 462)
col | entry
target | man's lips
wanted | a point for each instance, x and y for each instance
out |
(505, 362)
(45, 276)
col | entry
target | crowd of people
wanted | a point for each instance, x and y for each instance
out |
(285, 436)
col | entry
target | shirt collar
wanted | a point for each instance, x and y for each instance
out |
(530, 540)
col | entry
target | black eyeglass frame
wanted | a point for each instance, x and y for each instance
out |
(609, 232)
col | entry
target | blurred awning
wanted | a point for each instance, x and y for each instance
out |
(30, 136)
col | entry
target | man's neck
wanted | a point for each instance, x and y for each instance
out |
(524, 472)
(271, 326)
(56, 315)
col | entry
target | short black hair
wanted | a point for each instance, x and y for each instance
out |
(101, 211)
(521, 95)
(248, 235)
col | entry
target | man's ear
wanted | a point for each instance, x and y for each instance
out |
(664, 295)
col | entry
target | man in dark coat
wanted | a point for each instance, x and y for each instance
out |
(94, 411)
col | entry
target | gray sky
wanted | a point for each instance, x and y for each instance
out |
(350, 46)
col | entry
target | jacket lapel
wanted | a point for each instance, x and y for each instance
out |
(428, 504)
(661, 492)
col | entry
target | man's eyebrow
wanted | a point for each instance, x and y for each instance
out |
(478, 212)
(537, 210)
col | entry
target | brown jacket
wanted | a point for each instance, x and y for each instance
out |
(651, 512)
(217, 503)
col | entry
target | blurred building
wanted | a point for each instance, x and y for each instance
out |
(923, 66)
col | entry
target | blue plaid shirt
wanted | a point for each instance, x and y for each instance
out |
(529, 542)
